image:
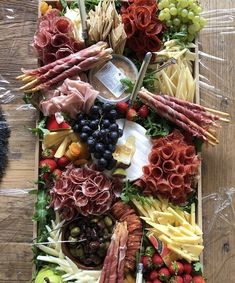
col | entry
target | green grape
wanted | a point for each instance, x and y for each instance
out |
(191, 29)
(203, 22)
(183, 3)
(194, 7)
(184, 20)
(173, 11)
(167, 16)
(165, 3)
(190, 2)
(196, 19)
(160, 6)
(168, 23)
(190, 37)
(166, 10)
(176, 22)
(172, 5)
(190, 15)
(162, 16)
(184, 13)
(196, 27)
(199, 9)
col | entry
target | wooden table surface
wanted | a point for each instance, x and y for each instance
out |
(17, 25)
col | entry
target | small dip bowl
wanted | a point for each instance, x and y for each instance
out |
(89, 238)
(106, 79)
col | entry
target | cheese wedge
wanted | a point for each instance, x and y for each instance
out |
(55, 138)
(62, 148)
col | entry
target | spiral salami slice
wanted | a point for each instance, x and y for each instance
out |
(129, 25)
(167, 152)
(176, 180)
(154, 28)
(142, 17)
(168, 166)
(63, 25)
(157, 173)
(42, 38)
(155, 158)
(59, 40)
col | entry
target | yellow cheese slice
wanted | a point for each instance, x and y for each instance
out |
(55, 138)
(62, 148)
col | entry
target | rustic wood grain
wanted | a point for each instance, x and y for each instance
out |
(17, 25)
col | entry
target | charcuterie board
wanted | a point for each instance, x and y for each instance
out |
(119, 181)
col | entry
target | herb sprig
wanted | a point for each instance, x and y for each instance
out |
(130, 192)
(40, 130)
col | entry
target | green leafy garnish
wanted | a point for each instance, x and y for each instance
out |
(155, 125)
(149, 251)
(90, 4)
(130, 192)
(40, 130)
(197, 267)
(198, 144)
(64, 3)
(129, 85)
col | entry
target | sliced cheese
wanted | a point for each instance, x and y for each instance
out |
(187, 239)
(62, 148)
(193, 249)
(55, 138)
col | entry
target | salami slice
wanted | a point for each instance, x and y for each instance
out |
(63, 25)
(59, 40)
(142, 17)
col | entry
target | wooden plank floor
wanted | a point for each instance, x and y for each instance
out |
(17, 25)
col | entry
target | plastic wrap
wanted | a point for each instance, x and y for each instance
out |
(216, 83)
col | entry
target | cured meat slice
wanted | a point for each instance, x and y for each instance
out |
(168, 166)
(59, 40)
(42, 38)
(154, 28)
(167, 152)
(142, 17)
(157, 173)
(129, 25)
(153, 43)
(63, 52)
(176, 180)
(155, 158)
(63, 25)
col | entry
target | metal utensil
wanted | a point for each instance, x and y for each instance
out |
(169, 62)
(139, 81)
(83, 15)
(140, 266)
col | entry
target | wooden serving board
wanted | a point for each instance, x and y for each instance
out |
(197, 100)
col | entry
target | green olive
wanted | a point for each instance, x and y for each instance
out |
(108, 221)
(94, 220)
(72, 241)
(101, 252)
(75, 231)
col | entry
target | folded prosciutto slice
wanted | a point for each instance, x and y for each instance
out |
(71, 97)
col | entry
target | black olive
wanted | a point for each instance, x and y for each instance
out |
(94, 234)
(96, 260)
(101, 224)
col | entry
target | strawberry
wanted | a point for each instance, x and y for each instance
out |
(187, 278)
(148, 281)
(56, 174)
(63, 162)
(176, 268)
(131, 114)
(157, 260)
(52, 124)
(147, 262)
(143, 111)
(48, 153)
(187, 268)
(47, 165)
(176, 279)
(157, 281)
(164, 274)
(198, 279)
(136, 105)
(153, 275)
(122, 107)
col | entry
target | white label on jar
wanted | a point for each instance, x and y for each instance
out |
(109, 75)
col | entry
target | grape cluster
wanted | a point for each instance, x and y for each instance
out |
(101, 133)
(182, 16)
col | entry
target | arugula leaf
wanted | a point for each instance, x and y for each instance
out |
(129, 85)
(155, 125)
(130, 192)
(40, 130)
(64, 3)
(90, 4)
(198, 267)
